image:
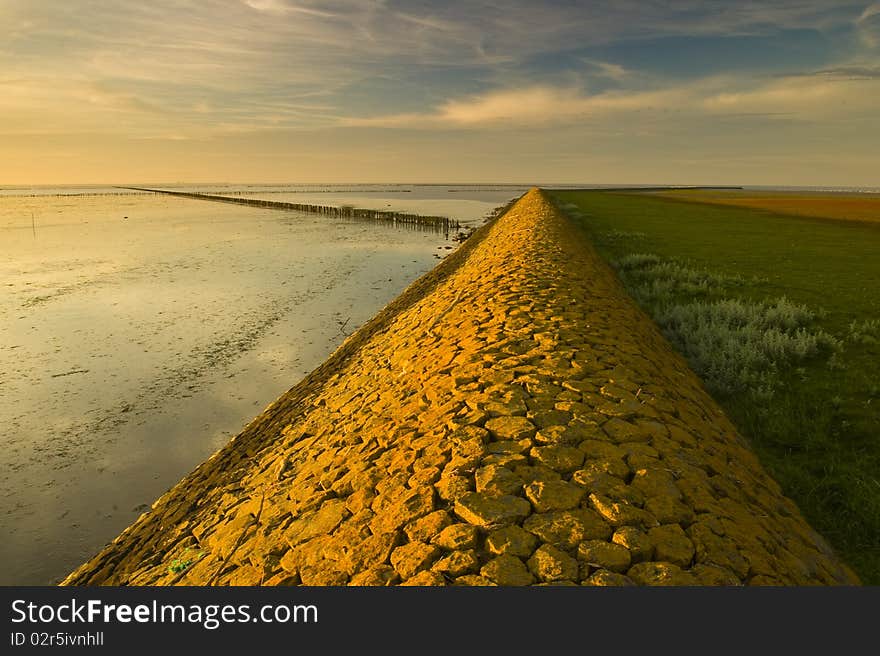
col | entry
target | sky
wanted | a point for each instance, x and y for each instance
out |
(307, 91)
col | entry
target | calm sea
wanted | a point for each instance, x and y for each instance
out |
(139, 332)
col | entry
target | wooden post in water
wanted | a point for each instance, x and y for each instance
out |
(344, 211)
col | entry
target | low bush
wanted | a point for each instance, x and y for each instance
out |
(738, 346)
(734, 345)
(864, 332)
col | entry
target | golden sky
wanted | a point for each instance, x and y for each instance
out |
(677, 92)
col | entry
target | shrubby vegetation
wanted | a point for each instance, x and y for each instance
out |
(737, 346)
(734, 345)
(865, 332)
(780, 317)
(655, 281)
(621, 235)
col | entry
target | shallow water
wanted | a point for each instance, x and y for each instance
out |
(139, 333)
(468, 204)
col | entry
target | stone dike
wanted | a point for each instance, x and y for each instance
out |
(512, 419)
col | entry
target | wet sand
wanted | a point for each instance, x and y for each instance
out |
(139, 333)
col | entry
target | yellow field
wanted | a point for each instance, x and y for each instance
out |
(847, 207)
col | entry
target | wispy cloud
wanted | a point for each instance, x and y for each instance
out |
(829, 98)
(282, 7)
(343, 69)
(536, 105)
(793, 97)
(608, 70)
(868, 24)
(853, 71)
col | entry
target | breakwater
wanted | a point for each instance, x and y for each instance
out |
(438, 223)
(513, 418)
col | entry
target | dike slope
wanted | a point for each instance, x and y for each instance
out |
(513, 418)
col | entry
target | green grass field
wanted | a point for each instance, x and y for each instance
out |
(780, 316)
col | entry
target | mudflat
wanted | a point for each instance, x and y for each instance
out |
(139, 333)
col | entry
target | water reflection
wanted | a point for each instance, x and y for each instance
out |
(138, 333)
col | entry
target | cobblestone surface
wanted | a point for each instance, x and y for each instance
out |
(512, 419)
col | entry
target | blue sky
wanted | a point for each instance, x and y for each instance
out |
(784, 92)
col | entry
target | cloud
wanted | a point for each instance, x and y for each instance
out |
(270, 6)
(532, 106)
(844, 72)
(796, 98)
(868, 25)
(609, 70)
(222, 65)
(281, 7)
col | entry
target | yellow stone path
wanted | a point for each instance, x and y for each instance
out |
(512, 419)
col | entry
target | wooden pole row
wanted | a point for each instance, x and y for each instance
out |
(403, 218)
(84, 193)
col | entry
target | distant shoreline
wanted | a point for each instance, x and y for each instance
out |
(392, 188)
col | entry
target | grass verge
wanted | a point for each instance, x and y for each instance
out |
(780, 316)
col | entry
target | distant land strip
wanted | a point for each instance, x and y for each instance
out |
(404, 218)
(78, 194)
(315, 191)
(658, 188)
